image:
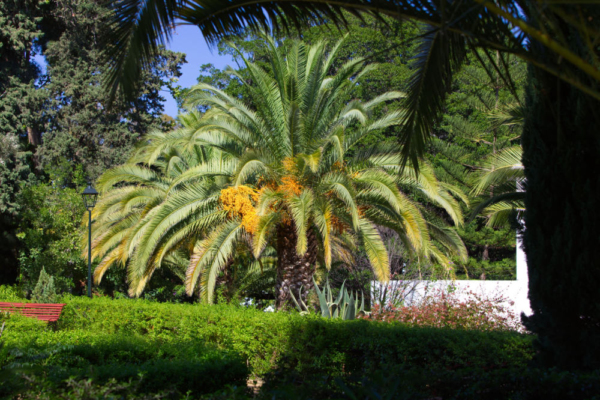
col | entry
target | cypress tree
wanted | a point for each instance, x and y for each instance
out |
(561, 149)
(44, 291)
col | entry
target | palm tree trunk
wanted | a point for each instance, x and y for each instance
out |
(226, 281)
(293, 271)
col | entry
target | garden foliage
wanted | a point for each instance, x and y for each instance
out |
(55, 120)
(50, 358)
(138, 349)
(199, 347)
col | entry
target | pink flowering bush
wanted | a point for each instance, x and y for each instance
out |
(443, 309)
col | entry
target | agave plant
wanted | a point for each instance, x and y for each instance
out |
(346, 306)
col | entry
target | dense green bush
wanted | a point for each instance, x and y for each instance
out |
(310, 344)
(50, 236)
(12, 293)
(51, 357)
(210, 350)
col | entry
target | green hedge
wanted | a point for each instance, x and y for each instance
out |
(307, 343)
(204, 348)
(49, 356)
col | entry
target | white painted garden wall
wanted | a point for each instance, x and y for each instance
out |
(515, 291)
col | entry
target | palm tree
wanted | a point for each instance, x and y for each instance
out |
(559, 41)
(295, 176)
(293, 149)
(500, 179)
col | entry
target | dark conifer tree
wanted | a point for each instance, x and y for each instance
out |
(79, 126)
(55, 120)
(561, 155)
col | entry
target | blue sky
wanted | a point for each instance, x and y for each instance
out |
(188, 39)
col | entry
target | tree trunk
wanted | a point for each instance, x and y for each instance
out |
(293, 271)
(561, 155)
(226, 281)
(485, 256)
(33, 136)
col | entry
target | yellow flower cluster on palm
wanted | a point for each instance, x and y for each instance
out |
(240, 201)
(290, 186)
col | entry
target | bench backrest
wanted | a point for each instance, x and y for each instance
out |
(43, 312)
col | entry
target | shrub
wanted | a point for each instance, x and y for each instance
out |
(12, 294)
(442, 309)
(298, 356)
(53, 356)
(50, 236)
(44, 291)
(263, 339)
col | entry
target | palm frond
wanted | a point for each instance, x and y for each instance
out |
(504, 166)
(137, 30)
(301, 209)
(440, 55)
(323, 213)
(130, 174)
(505, 201)
(266, 223)
(210, 256)
(375, 249)
(449, 240)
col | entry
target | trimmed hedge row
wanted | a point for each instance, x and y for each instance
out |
(210, 351)
(206, 349)
(307, 344)
(49, 357)
(202, 349)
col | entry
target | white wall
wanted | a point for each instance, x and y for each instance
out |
(515, 291)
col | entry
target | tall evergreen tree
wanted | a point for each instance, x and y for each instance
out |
(51, 122)
(19, 102)
(79, 126)
(561, 149)
(19, 110)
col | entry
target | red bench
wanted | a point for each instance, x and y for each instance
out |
(43, 312)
